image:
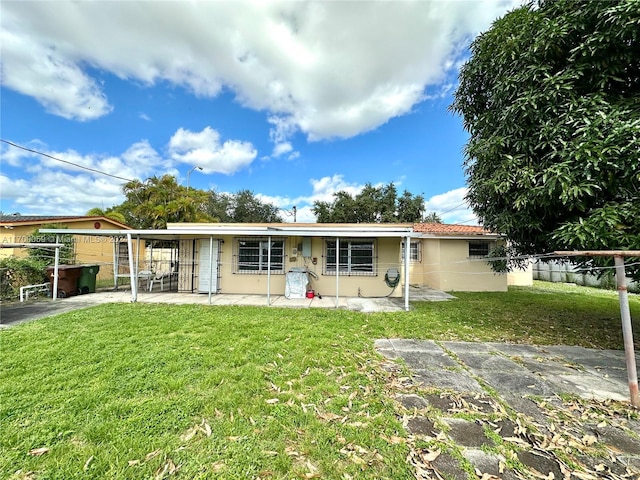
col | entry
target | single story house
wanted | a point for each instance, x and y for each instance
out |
(88, 248)
(365, 260)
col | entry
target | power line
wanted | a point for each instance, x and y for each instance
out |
(64, 161)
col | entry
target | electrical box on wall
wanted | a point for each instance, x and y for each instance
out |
(306, 247)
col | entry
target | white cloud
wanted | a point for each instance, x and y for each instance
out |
(451, 207)
(52, 187)
(205, 150)
(322, 191)
(327, 69)
(281, 148)
(54, 80)
(144, 116)
(73, 194)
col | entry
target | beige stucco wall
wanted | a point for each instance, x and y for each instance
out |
(387, 249)
(521, 277)
(446, 266)
(89, 250)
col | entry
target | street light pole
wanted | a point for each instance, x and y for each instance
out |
(189, 174)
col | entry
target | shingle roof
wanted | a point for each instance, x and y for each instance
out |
(16, 217)
(450, 229)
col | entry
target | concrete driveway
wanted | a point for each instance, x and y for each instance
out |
(554, 411)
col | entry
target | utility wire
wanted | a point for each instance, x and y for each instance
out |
(64, 161)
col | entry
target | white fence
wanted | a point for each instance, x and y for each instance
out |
(566, 272)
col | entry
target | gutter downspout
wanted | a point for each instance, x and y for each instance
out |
(132, 281)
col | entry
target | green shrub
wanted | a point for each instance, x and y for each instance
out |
(18, 272)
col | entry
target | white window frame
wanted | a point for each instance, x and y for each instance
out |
(350, 247)
(415, 251)
(260, 267)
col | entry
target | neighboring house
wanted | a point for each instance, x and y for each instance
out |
(88, 249)
(345, 259)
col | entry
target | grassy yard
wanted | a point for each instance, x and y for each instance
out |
(156, 391)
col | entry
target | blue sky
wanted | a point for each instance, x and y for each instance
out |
(292, 100)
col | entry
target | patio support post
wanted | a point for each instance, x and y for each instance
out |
(407, 258)
(627, 333)
(337, 272)
(268, 272)
(116, 266)
(56, 264)
(210, 266)
(137, 258)
(133, 275)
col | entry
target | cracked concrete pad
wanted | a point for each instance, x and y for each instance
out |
(620, 465)
(449, 466)
(541, 464)
(488, 463)
(467, 433)
(443, 403)
(589, 386)
(421, 426)
(401, 344)
(504, 427)
(548, 367)
(411, 402)
(428, 360)
(479, 362)
(528, 407)
(517, 383)
(617, 439)
(517, 350)
(447, 380)
(462, 347)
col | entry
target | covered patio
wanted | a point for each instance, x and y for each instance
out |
(367, 305)
(349, 261)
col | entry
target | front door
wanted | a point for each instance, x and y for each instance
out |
(208, 268)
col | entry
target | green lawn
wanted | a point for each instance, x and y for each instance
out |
(155, 391)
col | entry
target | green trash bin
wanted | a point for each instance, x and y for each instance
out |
(87, 280)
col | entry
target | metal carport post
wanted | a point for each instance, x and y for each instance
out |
(407, 258)
(132, 272)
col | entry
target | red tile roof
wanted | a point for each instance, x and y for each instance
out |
(450, 229)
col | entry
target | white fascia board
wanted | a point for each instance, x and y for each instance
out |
(484, 236)
(241, 231)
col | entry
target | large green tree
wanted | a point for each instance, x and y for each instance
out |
(161, 200)
(551, 99)
(373, 205)
(241, 207)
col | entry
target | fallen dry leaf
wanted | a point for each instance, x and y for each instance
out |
(86, 464)
(218, 466)
(394, 440)
(272, 401)
(151, 455)
(431, 455)
(36, 452)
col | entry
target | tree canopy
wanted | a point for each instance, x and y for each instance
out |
(161, 200)
(373, 205)
(551, 99)
(241, 207)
